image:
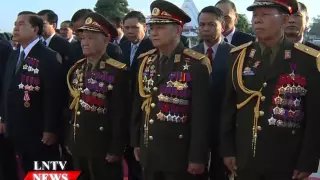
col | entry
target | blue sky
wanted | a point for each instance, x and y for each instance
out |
(65, 8)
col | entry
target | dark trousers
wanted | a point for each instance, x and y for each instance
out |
(134, 167)
(95, 168)
(8, 163)
(252, 175)
(158, 175)
(217, 170)
(41, 152)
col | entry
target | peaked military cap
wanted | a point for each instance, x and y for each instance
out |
(289, 6)
(97, 23)
(164, 12)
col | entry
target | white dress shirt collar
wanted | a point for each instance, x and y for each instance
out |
(230, 35)
(29, 47)
(49, 39)
(214, 48)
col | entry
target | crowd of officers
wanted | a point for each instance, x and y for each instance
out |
(233, 107)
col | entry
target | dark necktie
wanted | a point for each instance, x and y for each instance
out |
(161, 63)
(266, 56)
(226, 40)
(89, 67)
(44, 42)
(20, 61)
(210, 54)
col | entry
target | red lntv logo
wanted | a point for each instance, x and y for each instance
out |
(51, 170)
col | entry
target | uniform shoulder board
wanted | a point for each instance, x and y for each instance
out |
(240, 47)
(194, 54)
(152, 51)
(115, 63)
(307, 50)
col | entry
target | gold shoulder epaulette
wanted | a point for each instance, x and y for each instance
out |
(240, 47)
(152, 51)
(116, 63)
(307, 49)
(194, 54)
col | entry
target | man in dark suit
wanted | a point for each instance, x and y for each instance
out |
(211, 25)
(270, 115)
(118, 23)
(137, 43)
(230, 33)
(78, 20)
(297, 26)
(66, 31)
(50, 38)
(31, 95)
(8, 169)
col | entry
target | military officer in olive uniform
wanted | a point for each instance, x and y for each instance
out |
(170, 133)
(270, 119)
(99, 88)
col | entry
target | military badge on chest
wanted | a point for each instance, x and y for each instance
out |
(287, 101)
(149, 74)
(94, 87)
(252, 64)
(30, 80)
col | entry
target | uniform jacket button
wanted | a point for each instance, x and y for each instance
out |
(78, 113)
(77, 125)
(261, 113)
(150, 137)
(180, 136)
(265, 84)
(263, 98)
(101, 128)
(155, 89)
(70, 122)
(153, 105)
(259, 128)
(293, 132)
(151, 121)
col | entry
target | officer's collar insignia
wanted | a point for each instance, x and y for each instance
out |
(252, 53)
(177, 58)
(102, 65)
(287, 54)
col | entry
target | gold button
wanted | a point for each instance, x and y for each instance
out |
(155, 89)
(77, 125)
(259, 128)
(263, 98)
(101, 128)
(180, 136)
(151, 121)
(261, 113)
(265, 84)
(150, 138)
(293, 132)
(153, 105)
(78, 113)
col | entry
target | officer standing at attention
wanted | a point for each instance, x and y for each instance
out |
(173, 85)
(99, 88)
(271, 115)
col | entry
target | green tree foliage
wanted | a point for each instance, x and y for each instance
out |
(315, 27)
(243, 24)
(112, 8)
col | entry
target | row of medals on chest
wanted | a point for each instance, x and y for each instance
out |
(78, 82)
(29, 80)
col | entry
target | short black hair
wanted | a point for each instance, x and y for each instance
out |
(52, 16)
(135, 14)
(67, 22)
(303, 8)
(213, 10)
(82, 13)
(233, 6)
(34, 20)
(117, 22)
